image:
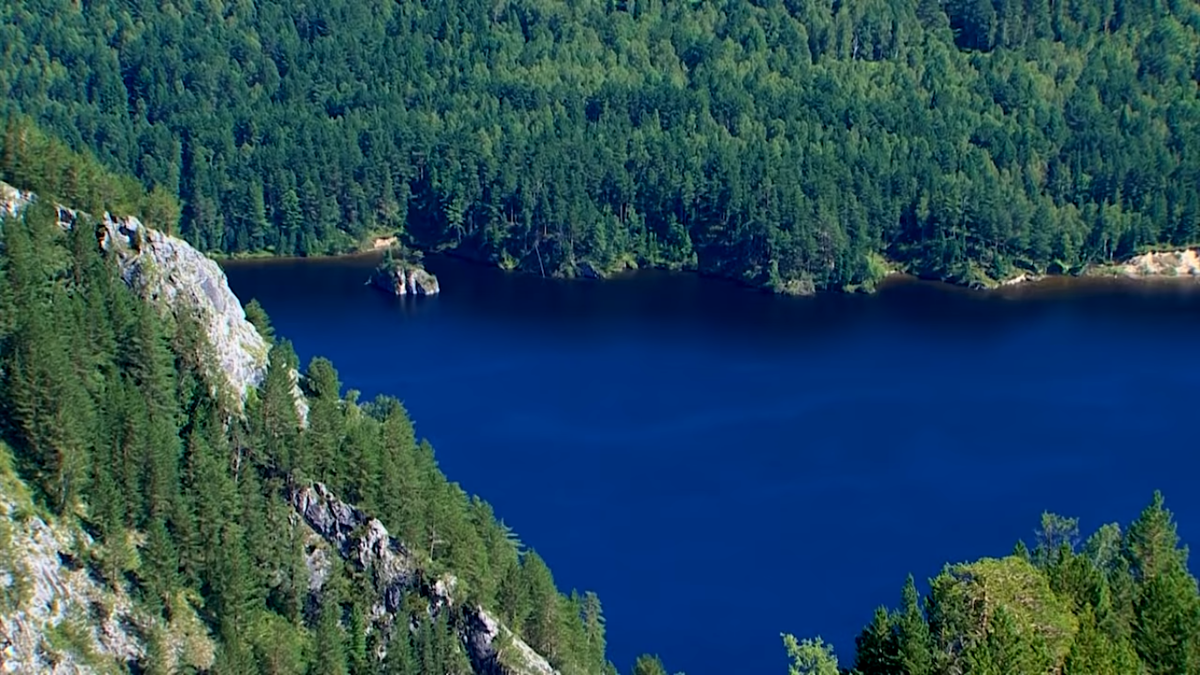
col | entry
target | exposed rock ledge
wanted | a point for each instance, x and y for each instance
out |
(58, 616)
(366, 544)
(177, 277)
(1165, 265)
(41, 597)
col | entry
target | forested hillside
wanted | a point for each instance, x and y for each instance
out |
(788, 143)
(104, 404)
(1121, 603)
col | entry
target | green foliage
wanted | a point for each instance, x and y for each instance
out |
(1126, 603)
(794, 145)
(109, 416)
(258, 318)
(647, 664)
(968, 599)
(72, 636)
(810, 657)
(31, 159)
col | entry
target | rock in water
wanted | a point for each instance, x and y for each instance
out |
(400, 278)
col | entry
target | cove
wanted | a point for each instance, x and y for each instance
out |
(722, 465)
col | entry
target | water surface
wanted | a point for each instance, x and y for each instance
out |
(721, 465)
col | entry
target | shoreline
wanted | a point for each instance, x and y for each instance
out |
(1145, 271)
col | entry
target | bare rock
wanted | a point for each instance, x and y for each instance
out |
(364, 542)
(405, 280)
(177, 278)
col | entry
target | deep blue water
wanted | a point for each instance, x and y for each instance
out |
(722, 465)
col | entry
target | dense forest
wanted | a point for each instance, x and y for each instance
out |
(794, 144)
(1122, 603)
(106, 414)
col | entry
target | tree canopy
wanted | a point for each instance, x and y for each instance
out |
(795, 144)
(1122, 602)
(104, 405)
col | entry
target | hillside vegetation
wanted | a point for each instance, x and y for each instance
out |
(1121, 603)
(795, 144)
(182, 491)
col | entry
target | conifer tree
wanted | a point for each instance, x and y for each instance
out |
(914, 643)
(401, 659)
(875, 647)
(329, 637)
(325, 425)
(542, 625)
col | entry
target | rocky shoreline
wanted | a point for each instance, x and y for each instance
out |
(411, 278)
(1157, 266)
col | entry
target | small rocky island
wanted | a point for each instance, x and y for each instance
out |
(401, 273)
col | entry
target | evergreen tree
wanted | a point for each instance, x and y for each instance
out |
(329, 637)
(875, 648)
(914, 643)
(401, 659)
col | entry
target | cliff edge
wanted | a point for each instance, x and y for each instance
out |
(177, 278)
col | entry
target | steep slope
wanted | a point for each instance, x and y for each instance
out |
(128, 567)
(57, 615)
(175, 277)
(365, 542)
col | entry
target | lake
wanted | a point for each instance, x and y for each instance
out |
(721, 465)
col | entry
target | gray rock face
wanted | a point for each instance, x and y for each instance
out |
(178, 278)
(170, 273)
(366, 544)
(405, 281)
(40, 596)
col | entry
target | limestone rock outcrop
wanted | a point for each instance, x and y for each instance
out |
(178, 278)
(364, 542)
(54, 617)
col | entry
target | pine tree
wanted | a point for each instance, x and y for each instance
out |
(429, 647)
(325, 426)
(257, 316)
(46, 403)
(276, 422)
(401, 658)
(329, 636)
(648, 664)
(398, 478)
(593, 624)
(1166, 623)
(914, 643)
(875, 648)
(542, 630)
(360, 659)
(1094, 653)
(160, 564)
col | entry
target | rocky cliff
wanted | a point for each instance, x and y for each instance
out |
(365, 543)
(1182, 264)
(177, 278)
(59, 616)
(54, 618)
